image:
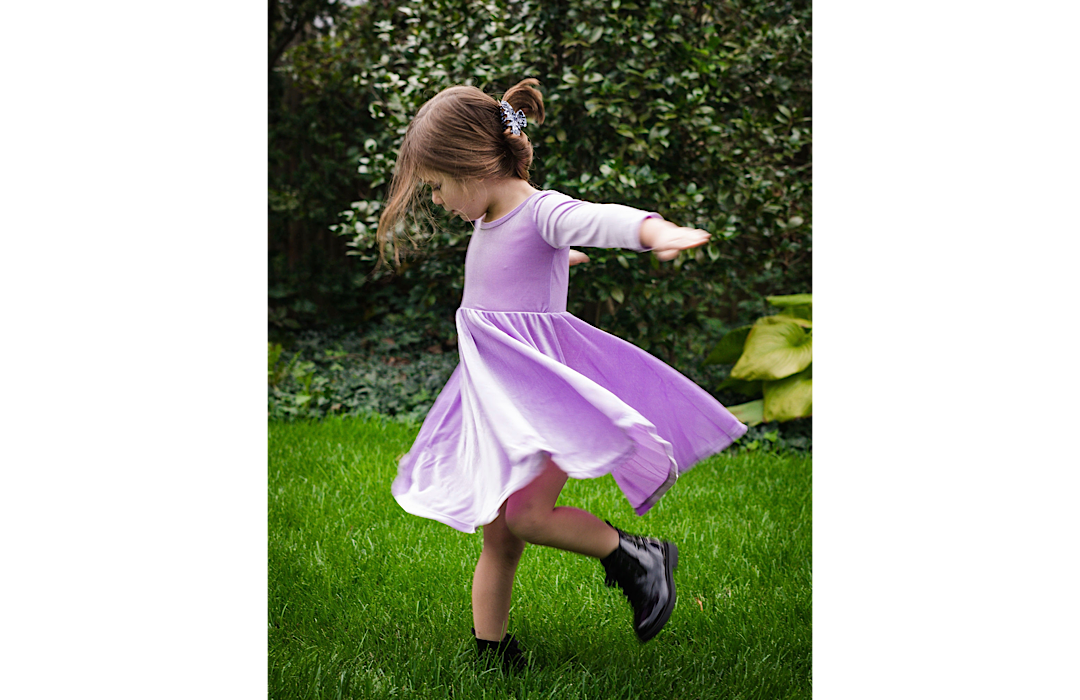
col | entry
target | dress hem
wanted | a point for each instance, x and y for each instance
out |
(673, 476)
(715, 448)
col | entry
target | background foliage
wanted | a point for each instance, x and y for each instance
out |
(697, 110)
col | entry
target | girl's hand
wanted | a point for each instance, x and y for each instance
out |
(576, 256)
(666, 239)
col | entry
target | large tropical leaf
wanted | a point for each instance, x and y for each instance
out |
(748, 413)
(791, 300)
(729, 349)
(775, 348)
(791, 397)
(786, 316)
(794, 305)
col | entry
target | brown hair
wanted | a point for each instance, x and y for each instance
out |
(460, 132)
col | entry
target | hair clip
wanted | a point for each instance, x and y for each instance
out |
(516, 122)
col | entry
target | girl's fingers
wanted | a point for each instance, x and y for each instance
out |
(685, 238)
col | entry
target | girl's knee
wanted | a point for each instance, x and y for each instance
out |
(528, 511)
(523, 522)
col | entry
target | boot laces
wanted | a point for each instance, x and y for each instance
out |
(641, 542)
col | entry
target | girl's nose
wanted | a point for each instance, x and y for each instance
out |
(435, 199)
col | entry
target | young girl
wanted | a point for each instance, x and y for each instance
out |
(538, 395)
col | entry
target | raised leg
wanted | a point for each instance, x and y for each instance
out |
(531, 516)
(641, 566)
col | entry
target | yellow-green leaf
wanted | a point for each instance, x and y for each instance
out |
(796, 305)
(791, 300)
(791, 397)
(748, 413)
(775, 348)
(784, 318)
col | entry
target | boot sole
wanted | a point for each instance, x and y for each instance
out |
(671, 560)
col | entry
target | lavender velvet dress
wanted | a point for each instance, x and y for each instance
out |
(535, 381)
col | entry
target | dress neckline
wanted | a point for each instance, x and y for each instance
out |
(502, 219)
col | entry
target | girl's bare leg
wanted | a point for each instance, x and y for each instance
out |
(531, 516)
(493, 580)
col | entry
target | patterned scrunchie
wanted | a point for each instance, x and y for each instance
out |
(516, 121)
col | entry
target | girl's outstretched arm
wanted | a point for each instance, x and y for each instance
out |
(666, 239)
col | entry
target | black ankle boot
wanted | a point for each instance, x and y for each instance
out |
(507, 652)
(642, 567)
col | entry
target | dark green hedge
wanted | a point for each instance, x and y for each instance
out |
(697, 110)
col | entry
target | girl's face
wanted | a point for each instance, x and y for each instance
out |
(466, 199)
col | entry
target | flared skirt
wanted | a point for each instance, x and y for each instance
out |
(531, 386)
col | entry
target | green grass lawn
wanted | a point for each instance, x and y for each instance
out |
(366, 601)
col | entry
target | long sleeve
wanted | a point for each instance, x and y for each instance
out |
(564, 221)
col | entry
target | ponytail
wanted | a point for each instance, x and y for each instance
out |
(519, 152)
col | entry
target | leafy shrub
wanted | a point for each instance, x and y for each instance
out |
(794, 436)
(339, 373)
(698, 110)
(296, 390)
(774, 359)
